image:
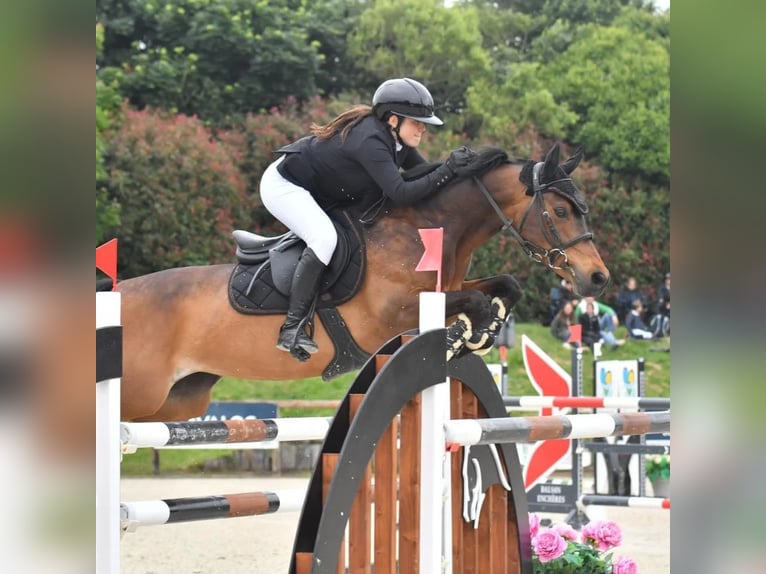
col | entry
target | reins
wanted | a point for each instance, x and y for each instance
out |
(554, 258)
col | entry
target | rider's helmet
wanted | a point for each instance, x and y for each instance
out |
(404, 97)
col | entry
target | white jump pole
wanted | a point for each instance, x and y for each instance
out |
(108, 451)
(435, 483)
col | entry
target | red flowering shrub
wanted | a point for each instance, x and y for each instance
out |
(180, 193)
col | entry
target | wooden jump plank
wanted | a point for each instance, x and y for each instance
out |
(329, 463)
(409, 488)
(359, 524)
(386, 467)
(458, 554)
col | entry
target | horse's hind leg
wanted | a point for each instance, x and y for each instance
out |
(188, 398)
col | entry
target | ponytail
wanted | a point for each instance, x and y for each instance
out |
(343, 123)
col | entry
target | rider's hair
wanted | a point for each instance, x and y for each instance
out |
(343, 123)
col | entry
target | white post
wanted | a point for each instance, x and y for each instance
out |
(435, 483)
(108, 451)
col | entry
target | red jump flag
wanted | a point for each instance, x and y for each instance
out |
(432, 256)
(106, 260)
(575, 334)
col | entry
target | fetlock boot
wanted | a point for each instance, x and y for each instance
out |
(303, 291)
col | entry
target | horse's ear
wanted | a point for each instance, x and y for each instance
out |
(570, 164)
(551, 164)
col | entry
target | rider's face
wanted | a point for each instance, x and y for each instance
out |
(409, 130)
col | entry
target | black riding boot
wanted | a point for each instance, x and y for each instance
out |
(292, 336)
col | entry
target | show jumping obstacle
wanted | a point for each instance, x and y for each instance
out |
(486, 510)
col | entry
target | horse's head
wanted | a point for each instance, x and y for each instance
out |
(549, 222)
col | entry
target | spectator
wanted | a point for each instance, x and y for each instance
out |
(591, 330)
(559, 296)
(562, 321)
(607, 320)
(637, 329)
(660, 322)
(627, 296)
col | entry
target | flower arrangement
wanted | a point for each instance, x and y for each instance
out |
(560, 549)
(657, 466)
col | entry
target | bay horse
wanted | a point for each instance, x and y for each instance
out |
(181, 335)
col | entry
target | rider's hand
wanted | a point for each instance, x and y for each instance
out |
(460, 158)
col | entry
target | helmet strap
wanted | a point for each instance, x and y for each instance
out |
(396, 128)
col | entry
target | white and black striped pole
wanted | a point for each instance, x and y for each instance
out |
(108, 373)
(532, 429)
(189, 509)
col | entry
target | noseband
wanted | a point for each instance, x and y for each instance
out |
(555, 257)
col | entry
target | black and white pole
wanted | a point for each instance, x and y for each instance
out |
(189, 509)
(108, 373)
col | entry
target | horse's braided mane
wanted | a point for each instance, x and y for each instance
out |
(486, 159)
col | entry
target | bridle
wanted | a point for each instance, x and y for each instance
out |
(555, 257)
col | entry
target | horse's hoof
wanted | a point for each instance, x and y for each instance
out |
(498, 309)
(457, 335)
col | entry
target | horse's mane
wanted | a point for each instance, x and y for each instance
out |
(486, 159)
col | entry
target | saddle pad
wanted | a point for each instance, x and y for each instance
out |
(252, 289)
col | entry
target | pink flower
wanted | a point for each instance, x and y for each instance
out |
(534, 524)
(624, 565)
(603, 534)
(548, 545)
(566, 531)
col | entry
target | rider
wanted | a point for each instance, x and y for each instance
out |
(352, 160)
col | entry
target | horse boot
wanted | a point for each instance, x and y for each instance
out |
(292, 336)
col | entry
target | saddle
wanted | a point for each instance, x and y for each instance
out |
(260, 282)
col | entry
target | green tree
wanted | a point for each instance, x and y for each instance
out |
(425, 40)
(180, 192)
(618, 82)
(107, 105)
(218, 59)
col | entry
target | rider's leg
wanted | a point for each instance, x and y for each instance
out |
(296, 208)
(303, 291)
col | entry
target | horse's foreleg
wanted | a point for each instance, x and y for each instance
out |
(505, 287)
(483, 307)
(472, 308)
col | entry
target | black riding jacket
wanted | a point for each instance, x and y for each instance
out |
(356, 172)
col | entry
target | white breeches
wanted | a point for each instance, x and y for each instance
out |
(297, 210)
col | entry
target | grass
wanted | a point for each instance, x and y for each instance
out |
(657, 371)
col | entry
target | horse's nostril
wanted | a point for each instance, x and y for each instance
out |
(599, 278)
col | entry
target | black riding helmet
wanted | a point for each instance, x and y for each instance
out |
(407, 98)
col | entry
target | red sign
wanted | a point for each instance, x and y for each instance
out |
(550, 380)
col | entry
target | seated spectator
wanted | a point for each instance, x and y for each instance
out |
(591, 330)
(560, 295)
(627, 296)
(607, 320)
(562, 321)
(660, 322)
(637, 329)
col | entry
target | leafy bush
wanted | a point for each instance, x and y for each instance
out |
(180, 193)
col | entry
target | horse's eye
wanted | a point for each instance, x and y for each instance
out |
(560, 211)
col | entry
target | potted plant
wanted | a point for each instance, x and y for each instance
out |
(562, 550)
(658, 472)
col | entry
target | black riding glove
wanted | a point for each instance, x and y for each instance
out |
(459, 159)
(453, 167)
